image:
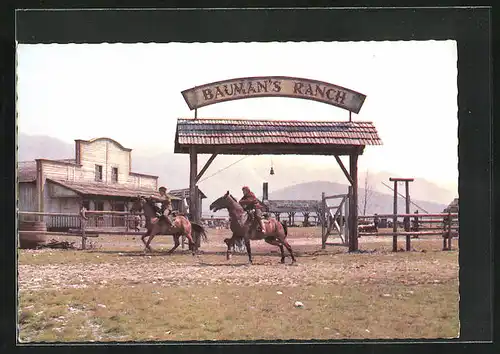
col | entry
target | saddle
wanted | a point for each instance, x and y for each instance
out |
(253, 220)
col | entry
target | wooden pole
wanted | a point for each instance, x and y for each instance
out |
(353, 241)
(447, 234)
(450, 236)
(321, 220)
(83, 224)
(395, 219)
(407, 219)
(198, 217)
(193, 171)
(347, 229)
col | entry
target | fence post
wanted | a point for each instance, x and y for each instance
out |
(395, 219)
(346, 217)
(407, 218)
(322, 220)
(447, 233)
(84, 237)
(450, 235)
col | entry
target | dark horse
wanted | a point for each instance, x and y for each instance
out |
(181, 226)
(243, 225)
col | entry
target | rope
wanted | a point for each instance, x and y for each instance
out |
(222, 169)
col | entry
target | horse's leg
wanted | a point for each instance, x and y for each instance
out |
(282, 254)
(143, 239)
(272, 241)
(230, 245)
(289, 248)
(176, 242)
(249, 251)
(192, 245)
(186, 230)
(152, 234)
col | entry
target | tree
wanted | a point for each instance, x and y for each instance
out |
(367, 193)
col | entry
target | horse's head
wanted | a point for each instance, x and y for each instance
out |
(138, 204)
(221, 203)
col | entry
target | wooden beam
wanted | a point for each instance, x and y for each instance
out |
(339, 161)
(277, 149)
(353, 212)
(204, 169)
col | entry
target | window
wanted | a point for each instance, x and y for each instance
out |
(99, 205)
(86, 204)
(114, 174)
(98, 172)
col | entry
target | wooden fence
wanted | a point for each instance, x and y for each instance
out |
(447, 229)
(73, 224)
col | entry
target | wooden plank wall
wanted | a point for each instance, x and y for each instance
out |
(108, 155)
(27, 197)
(101, 152)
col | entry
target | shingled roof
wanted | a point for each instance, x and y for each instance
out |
(184, 193)
(100, 189)
(283, 206)
(26, 171)
(240, 136)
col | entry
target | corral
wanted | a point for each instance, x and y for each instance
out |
(114, 292)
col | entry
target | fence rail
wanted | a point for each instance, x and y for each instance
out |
(74, 224)
(454, 215)
(448, 228)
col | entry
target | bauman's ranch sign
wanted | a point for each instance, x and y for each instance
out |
(273, 86)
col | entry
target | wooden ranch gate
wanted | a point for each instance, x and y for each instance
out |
(334, 218)
(270, 137)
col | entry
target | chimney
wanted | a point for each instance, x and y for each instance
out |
(265, 191)
(78, 152)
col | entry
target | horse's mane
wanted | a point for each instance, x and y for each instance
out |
(233, 198)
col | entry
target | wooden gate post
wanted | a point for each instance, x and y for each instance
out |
(395, 219)
(407, 218)
(322, 221)
(353, 212)
(193, 171)
(347, 227)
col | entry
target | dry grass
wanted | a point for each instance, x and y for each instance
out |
(116, 293)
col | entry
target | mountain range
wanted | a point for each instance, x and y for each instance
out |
(231, 172)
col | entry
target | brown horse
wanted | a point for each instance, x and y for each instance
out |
(243, 225)
(181, 226)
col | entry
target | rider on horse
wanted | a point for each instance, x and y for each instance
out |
(249, 201)
(161, 205)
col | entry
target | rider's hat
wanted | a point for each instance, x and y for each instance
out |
(245, 187)
(162, 188)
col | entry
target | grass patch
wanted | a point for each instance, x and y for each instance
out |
(221, 312)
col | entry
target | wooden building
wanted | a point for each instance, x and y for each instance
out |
(99, 176)
(452, 207)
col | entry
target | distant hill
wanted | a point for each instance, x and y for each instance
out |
(173, 172)
(32, 147)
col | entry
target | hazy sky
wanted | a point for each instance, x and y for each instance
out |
(132, 93)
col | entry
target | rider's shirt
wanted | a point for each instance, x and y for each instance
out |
(250, 199)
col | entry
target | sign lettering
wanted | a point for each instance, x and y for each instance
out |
(273, 86)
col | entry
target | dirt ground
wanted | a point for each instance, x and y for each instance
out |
(422, 283)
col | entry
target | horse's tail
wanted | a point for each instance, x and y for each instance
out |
(201, 230)
(285, 228)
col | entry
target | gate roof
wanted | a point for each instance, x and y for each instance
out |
(254, 137)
